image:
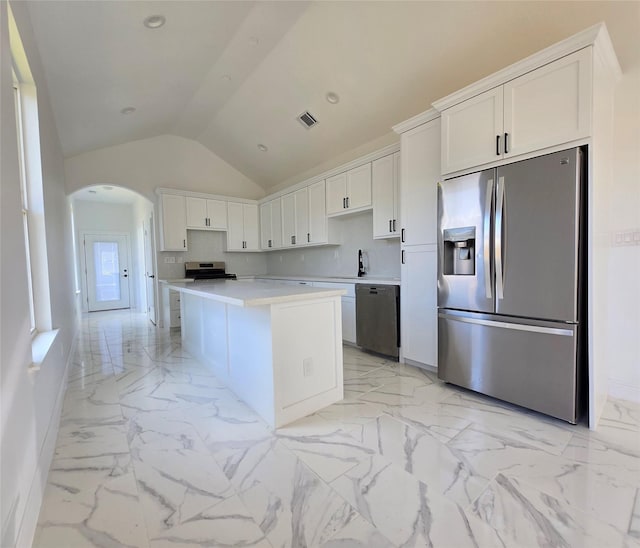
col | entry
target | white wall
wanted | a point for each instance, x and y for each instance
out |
(624, 261)
(164, 161)
(29, 400)
(352, 232)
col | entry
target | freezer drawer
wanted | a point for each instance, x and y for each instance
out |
(529, 365)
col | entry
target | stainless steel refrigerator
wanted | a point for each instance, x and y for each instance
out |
(510, 279)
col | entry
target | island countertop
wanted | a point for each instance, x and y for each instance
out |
(252, 293)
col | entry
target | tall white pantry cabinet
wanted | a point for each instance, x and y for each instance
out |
(419, 176)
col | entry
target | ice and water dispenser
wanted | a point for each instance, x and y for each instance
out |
(459, 251)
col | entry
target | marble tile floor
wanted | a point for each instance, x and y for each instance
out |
(154, 451)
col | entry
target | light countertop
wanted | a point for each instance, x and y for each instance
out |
(253, 293)
(337, 279)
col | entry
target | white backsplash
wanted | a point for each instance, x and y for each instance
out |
(381, 257)
(354, 232)
(210, 246)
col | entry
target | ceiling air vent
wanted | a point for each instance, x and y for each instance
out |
(307, 120)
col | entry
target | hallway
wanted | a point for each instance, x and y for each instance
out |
(154, 451)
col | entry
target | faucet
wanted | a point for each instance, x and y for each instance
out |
(361, 271)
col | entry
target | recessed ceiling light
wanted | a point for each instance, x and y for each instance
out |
(333, 98)
(93, 192)
(107, 187)
(226, 78)
(253, 41)
(128, 110)
(154, 21)
(262, 147)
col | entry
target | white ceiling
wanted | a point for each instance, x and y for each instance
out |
(386, 60)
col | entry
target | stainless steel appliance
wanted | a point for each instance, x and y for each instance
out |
(510, 283)
(378, 318)
(212, 270)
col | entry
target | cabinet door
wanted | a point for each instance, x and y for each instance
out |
(174, 223)
(266, 238)
(288, 219)
(302, 216)
(196, 212)
(359, 187)
(383, 195)
(217, 214)
(396, 193)
(235, 232)
(317, 213)
(471, 130)
(418, 304)
(549, 106)
(336, 193)
(251, 227)
(348, 319)
(419, 176)
(276, 223)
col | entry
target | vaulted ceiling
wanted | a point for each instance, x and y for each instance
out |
(233, 75)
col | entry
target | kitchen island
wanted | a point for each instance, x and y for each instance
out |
(278, 347)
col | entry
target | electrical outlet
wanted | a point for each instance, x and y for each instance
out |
(169, 260)
(336, 254)
(180, 259)
(307, 367)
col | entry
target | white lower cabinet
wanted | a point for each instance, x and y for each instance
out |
(348, 309)
(419, 304)
(171, 308)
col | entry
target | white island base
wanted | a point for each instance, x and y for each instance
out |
(279, 348)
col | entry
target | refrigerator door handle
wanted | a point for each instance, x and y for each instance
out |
(487, 239)
(498, 243)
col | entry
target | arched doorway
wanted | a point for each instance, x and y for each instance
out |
(114, 247)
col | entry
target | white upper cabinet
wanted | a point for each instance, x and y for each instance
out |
(317, 213)
(471, 131)
(550, 105)
(544, 107)
(301, 234)
(271, 224)
(385, 196)
(419, 176)
(304, 217)
(173, 223)
(350, 191)
(289, 219)
(243, 230)
(204, 214)
(336, 193)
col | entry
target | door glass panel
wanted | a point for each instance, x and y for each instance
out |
(107, 271)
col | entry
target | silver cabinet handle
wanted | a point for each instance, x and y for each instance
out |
(347, 202)
(488, 203)
(344, 203)
(402, 256)
(394, 225)
(308, 236)
(498, 239)
(402, 235)
(184, 243)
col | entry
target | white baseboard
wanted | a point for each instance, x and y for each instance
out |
(622, 391)
(39, 482)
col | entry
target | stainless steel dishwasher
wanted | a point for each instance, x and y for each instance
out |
(378, 318)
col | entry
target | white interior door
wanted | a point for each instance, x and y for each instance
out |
(107, 271)
(149, 270)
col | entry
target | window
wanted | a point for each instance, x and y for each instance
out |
(25, 199)
(31, 186)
